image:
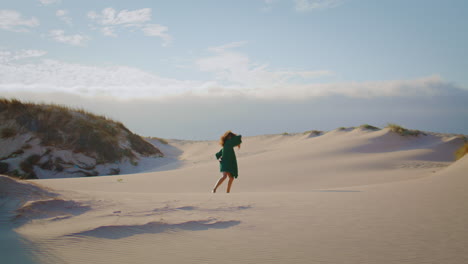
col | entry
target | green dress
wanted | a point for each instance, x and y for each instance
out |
(228, 161)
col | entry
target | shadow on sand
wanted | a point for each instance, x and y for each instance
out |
(13, 247)
(123, 231)
(338, 191)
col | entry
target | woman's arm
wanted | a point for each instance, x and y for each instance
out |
(219, 154)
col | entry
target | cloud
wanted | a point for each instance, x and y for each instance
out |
(12, 20)
(157, 31)
(425, 86)
(74, 40)
(132, 83)
(202, 107)
(48, 2)
(62, 14)
(309, 5)
(108, 31)
(235, 69)
(110, 19)
(234, 74)
(114, 81)
(10, 56)
(228, 46)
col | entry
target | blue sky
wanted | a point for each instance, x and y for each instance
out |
(200, 62)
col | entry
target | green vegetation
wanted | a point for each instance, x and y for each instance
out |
(285, 134)
(114, 171)
(369, 127)
(462, 151)
(345, 128)
(140, 145)
(314, 132)
(27, 166)
(77, 130)
(403, 131)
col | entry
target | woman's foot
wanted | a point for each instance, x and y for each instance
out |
(213, 191)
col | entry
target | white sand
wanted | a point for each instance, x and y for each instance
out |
(343, 197)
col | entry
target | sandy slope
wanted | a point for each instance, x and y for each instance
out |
(344, 197)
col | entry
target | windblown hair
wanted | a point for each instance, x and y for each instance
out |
(226, 136)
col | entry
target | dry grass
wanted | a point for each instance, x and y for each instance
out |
(404, 131)
(140, 145)
(7, 132)
(462, 151)
(27, 166)
(161, 140)
(74, 129)
(345, 128)
(369, 127)
(314, 132)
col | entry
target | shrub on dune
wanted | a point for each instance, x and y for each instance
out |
(27, 166)
(161, 140)
(404, 131)
(346, 128)
(140, 145)
(461, 151)
(314, 132)
(63, 128)
(369, 127)
(7, 132)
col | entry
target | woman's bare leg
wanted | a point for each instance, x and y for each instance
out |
(231, 179)
(220, 181)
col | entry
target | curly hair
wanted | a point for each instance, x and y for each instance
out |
(226, 136)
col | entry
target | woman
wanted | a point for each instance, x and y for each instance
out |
(227, 158)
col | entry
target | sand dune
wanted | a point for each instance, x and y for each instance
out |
(343, 197)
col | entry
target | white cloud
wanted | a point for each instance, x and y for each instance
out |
(115, 81)
(308, 5)
(62, 14)
(13, 21)
(75, 40)
(426, 86)
(234, 74)
(234, 68)
(228, 46)
(48, 2)
(156, 30)
(108, 31)
(10, 56)
(256, 83)
(110, 17)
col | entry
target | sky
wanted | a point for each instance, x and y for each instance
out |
(194, 69)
